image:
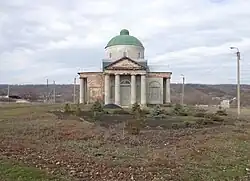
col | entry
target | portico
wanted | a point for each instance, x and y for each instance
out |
(125, 89)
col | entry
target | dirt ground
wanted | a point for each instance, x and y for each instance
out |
(36, 145)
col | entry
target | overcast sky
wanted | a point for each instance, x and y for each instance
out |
(55, 39)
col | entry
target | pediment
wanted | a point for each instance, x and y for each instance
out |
(125, 64)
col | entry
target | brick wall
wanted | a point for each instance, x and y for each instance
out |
(95, 85)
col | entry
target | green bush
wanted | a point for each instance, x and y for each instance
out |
(209, 119)
(97, 110)
(180, 110)
(78, 110)
(136, 108)
(183, 113)
(178, 106)
(214, 117)
(218, 118)
(97, 107)
(134, 126)
(199, 112)
(157, 112)
(67, 108)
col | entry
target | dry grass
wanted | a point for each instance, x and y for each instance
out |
(77, 150)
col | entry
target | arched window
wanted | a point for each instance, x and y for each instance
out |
(154, 91)
(154, 84)
(125, 82)
(110, 55)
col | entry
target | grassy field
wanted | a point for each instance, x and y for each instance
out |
(37, 145)
(13, 172)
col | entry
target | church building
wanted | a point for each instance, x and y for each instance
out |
(126, 77)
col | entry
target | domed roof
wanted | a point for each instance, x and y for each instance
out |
(124, 39)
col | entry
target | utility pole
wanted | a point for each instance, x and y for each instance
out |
(47, 92)
(8, 93)
(74, 90)
(54, 91)
(183, 85)
(238, 79)
(238, 82)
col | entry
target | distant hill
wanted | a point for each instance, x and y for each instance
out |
(194, 93)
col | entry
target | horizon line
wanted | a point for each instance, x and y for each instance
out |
(188, 83)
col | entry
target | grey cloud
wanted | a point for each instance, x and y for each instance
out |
(78, 33)
(211, 33)
(214, 69)
(73, 57)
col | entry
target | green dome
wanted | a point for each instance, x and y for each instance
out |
(124, 39)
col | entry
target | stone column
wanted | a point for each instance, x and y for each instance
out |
(133, 89)
(143, 90)
(107, 89)
(81, 97)
(117, 89)
(168, 100)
